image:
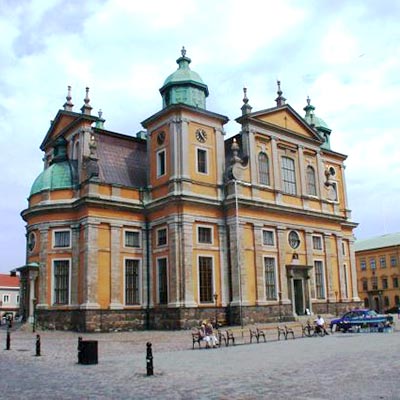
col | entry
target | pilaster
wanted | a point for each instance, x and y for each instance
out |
(258, 256)
(44, 269)
(353, 271)
(328, 267)
(75, 231)
(282, 264)
(341, 288)
(223, 260)
(115, 275)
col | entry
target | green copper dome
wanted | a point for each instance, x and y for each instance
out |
(318, 123)
(184, 86)
(57, 176)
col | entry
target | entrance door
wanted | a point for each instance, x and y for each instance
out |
(298, 296)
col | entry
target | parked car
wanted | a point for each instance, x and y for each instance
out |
(393, 310)
(361, 318)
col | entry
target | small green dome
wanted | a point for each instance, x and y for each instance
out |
(56, 176)
(184, 86)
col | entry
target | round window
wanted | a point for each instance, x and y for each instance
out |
(294, 239)
(31, 241)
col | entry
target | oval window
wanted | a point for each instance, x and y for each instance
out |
(294, 239)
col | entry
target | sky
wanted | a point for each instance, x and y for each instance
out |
(345, 55)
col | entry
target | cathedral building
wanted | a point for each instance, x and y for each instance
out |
(181, 223)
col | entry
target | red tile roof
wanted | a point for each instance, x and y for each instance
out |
(9, 281)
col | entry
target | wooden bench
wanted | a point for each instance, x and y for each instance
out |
(285, 331)
(196, 337)
(256, 332)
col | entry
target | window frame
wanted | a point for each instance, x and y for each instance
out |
(166, 281)
(204, 151)
(393, 260)
(54, 234)
(6, 298)
(372, 263)
(288, 172)
(363, 264)
(319, 283)
(317, 236)
(161, 163)
(395, 282)
(158, 230)
(290, 240)
(210, 300)
(268, 295)
(53, 282)
(263, 169)
(311, 183)
(139, 281)
(272, 231)
(132, 230)
(210, 228)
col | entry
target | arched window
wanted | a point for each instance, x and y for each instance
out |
(263, 169)
(311, 186)
(288, 175)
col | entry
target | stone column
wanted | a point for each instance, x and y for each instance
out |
(44, 270)
(353, 271)
(223, 260)
(276, 170)
(187, 256)
(282, 265)
(32, 294)
(75, 231)
(341, 288)
(174, 264)
(90, 270)
(310, 261)
(303, 183)
(328, 267)
(116, 270)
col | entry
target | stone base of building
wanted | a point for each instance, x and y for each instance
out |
(174, 318)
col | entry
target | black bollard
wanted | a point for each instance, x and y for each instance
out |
(149, 360)
(37, 345)
(80, 350)
(8, 340)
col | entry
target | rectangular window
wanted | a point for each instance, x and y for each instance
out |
(386, 301)
(365, 285)
(317, 242)
(61, 281)
(132, 239)
(17, 301)
(206, 279)
(372, 263)
(343, 248)
(204, 235)
(62, 239)
(395, 282)
(319, 279)
(382, 261)
(393, 261)
(270, 280)
(162, 237)
(384, 283)
(363, 265)
(288, 176)
(202, 161)
(268, 237)
(374, 281)
(161, 163)
(162, 281)
(6, 298)
(132, 282)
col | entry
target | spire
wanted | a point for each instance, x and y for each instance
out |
(246, 107)
(100, 121)
(68, 104)
(280, 100)
(86, 108)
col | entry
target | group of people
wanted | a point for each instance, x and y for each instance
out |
(207, 334)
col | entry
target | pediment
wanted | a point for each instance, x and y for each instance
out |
(287, 118)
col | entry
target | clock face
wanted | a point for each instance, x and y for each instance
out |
(161, 138)
(201, 135)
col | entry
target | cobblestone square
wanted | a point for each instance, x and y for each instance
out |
(338, 366)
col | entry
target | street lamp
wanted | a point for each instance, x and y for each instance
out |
(216, 312)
